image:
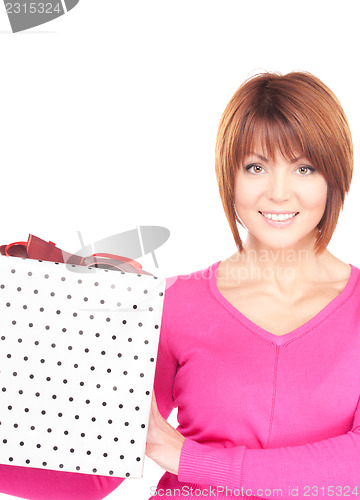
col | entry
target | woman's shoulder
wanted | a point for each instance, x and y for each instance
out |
(186, 282)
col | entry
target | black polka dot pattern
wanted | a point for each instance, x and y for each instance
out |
(77, 365)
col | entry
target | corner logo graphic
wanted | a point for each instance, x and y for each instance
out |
(27, 14)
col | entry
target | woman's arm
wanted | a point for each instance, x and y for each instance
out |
(163, 443)
(161, 435)
(326, 468)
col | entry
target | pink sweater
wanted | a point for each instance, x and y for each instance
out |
(261, 413)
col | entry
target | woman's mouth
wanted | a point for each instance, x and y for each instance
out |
(279, 220)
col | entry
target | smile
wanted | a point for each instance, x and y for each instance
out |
(279, 220)
(279, 217)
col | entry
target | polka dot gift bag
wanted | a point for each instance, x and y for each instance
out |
(78, 349)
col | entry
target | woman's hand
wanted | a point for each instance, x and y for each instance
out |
(163, 443)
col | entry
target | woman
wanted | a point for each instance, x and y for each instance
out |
(261, 352)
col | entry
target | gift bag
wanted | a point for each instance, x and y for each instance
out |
(77, 364)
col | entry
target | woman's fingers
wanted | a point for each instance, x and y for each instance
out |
(164, 443)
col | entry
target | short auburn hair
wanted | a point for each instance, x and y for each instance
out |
(292, 113)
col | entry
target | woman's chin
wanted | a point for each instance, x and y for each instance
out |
(279, 243)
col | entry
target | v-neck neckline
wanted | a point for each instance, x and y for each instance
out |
(286, 337)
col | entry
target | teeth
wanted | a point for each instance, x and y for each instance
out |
(279, 217)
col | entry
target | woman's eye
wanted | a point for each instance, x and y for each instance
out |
(256, 167)
(304, 170)
(308, 168)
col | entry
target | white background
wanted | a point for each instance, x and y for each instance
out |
(108, 119)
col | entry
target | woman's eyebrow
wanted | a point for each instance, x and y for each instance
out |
(266, 160)
(260, 156)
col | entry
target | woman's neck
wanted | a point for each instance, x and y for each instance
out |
(286, 270)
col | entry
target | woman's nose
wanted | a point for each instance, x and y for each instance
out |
(279, 186)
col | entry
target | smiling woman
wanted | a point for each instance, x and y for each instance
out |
(294, 115)
(260, 352)
(279, 194)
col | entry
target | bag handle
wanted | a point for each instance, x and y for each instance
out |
(36, 248)
(118, 257)
(19, 243)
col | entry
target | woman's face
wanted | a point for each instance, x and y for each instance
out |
(282, 186)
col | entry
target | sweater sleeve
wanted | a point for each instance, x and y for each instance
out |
(37, 484)
(326, 468)
(166, 362)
